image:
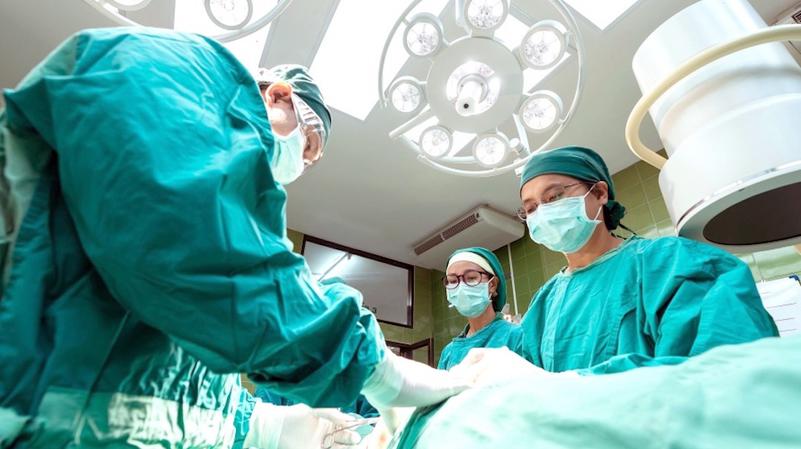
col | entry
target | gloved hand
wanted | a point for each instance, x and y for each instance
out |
(400, 382)
(299, 427)
(492, 366)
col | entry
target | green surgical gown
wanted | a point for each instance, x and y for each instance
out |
(497, 334)
(146, 254)
(745, 396)
(648, 302)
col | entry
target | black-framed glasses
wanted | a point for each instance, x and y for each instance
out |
(471, 278)
(554, 194)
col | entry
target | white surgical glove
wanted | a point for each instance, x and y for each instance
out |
(493, 366)
(400, 382)
(299, 427)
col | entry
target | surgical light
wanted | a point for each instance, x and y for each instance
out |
(485, 15)
(227, 21)
(129, 5)
(480, 97)
(436, 141)
(544, 45)
(423, 36)
(407, 95)
(541, 111)
(229, 14)
(490, 150)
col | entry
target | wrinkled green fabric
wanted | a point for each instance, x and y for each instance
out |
(150, 261)
(497, 334)
(500, 299)
(744, 396)
(648, 302)
(581, 163)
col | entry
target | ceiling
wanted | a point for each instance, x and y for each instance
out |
(369, 192)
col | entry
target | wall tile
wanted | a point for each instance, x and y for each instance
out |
(651, 188)
(659, 210)
(638, 218)
(778, 262)
(627, 177)
(632, 196)
(646, 171)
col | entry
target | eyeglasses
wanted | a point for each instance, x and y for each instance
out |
(313, 130)
(554, 194)
(471, 278)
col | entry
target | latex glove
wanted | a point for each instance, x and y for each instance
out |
(299, 427)
(493, 366)
(400, 382)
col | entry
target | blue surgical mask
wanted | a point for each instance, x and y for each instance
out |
(470, 301)
(287, 163)
(563, 225)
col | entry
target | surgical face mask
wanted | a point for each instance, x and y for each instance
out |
(563, 225)
(287, 164)
(470, 301)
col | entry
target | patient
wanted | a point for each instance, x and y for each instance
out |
(737, 396)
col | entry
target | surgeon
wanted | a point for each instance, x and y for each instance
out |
(145, 260)
(623, 303)
(476, 287)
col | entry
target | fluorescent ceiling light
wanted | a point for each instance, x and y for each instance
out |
(512, 31)
(602, 13)
(531, 77)
(346, 63)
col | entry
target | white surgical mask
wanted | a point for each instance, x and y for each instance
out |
(563, 225)
(287, 164)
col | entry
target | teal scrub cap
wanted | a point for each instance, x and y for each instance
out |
(304, 86)
(500, 299)
(581, 163)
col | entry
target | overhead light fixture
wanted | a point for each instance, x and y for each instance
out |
(229, 14)
(482, 15)
(544, 45)
(541, 111)
(407, 94)
(423, 37)
(129, 5)
(436, 141)
(490, 149)
(601, 13)
(479, 86)
(223, 20)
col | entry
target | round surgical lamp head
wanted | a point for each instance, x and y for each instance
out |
(544, 45)
(541, 111)
(406, 94)
(483, 15)
(490, 149)
(229, 14)
(436, 141)
(423, 37)
(128, 5)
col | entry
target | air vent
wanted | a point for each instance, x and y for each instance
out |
(482, 226)
(428, 244)
(460, 226)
